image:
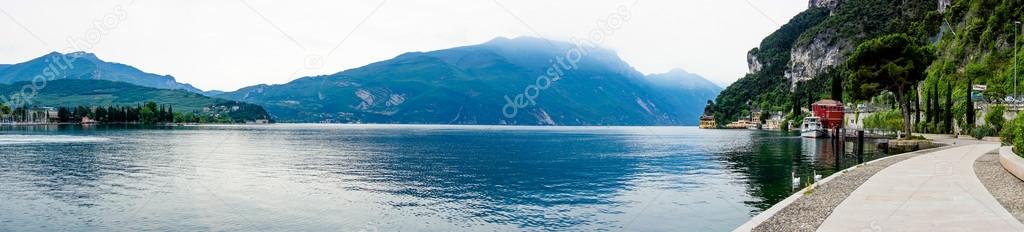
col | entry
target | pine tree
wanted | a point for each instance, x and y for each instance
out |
(63, 115)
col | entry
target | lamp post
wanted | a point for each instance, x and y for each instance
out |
(1016, 28)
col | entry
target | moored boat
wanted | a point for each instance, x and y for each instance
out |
(812, 128)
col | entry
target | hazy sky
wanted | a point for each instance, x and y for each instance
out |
(229, 44)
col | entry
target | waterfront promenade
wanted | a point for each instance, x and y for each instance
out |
(936, 190)
(933, 192)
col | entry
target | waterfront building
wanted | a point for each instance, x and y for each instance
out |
(739, 124)
(40, 115)
(830, 112)
(708, 122)
(774, 121)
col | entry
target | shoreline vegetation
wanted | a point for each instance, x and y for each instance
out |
(149, 113)
(915, 67)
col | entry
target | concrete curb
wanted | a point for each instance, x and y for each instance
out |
(765, 215)
(1011, 162)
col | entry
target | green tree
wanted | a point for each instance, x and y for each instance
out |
(889, 120)
(148, 114)
(970, 103)
(101, 114)
(893, 63)
(948, 112)
(995, 117)
(63, 114)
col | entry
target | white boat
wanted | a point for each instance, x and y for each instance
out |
(812, 128)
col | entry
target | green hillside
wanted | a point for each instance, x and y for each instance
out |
(85, 66)
(99, 93)
(805, 59)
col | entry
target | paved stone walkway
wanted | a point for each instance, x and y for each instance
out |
(931, 192)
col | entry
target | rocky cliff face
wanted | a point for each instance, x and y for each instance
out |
(828, 4)
(943, 5)
(849, 23)
(814, 58)
(753, 64)
(823, 51)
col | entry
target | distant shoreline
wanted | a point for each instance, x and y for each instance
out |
(343, 124)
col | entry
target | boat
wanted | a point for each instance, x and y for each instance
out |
(812, 128)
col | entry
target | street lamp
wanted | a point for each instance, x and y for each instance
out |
(1016, 27)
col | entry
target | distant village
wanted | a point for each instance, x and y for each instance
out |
(830, 114)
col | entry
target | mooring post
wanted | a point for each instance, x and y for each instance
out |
(835, 147)
(842, 140)
(860, 146)
(886, 148)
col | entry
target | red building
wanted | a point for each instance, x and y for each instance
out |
(830, 112)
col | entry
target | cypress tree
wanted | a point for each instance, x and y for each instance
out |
(933, 105)
(837, 85)
(949, 108)
(970, 103)
(111, 114)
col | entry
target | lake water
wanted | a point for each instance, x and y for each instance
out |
(398, 178)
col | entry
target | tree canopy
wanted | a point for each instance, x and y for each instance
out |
(894, 63)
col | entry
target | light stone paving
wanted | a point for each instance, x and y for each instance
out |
(932, 192)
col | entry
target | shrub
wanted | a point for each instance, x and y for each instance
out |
(995, 117)
(915, 137)
(983, 131)
(890, 120)
(1013, 134)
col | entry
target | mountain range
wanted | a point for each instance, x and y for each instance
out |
(476, 84)
(86, 66)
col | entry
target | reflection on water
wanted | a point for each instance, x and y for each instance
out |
(380, 177)
(25, 139)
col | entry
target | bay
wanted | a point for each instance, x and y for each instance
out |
(316, 177)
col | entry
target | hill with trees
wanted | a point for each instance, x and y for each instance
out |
(99, 94)
(85, 66)
(814, 56)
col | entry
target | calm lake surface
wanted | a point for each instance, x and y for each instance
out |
(398, 178)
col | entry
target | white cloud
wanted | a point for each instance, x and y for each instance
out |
(226, 45)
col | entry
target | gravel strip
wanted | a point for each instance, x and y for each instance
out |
(1005, 187)
(809, 211)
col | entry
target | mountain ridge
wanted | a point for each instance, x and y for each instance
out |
(83, 65)
(467, 85)
(460, 85)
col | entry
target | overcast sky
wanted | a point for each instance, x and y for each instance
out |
(229, 44)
